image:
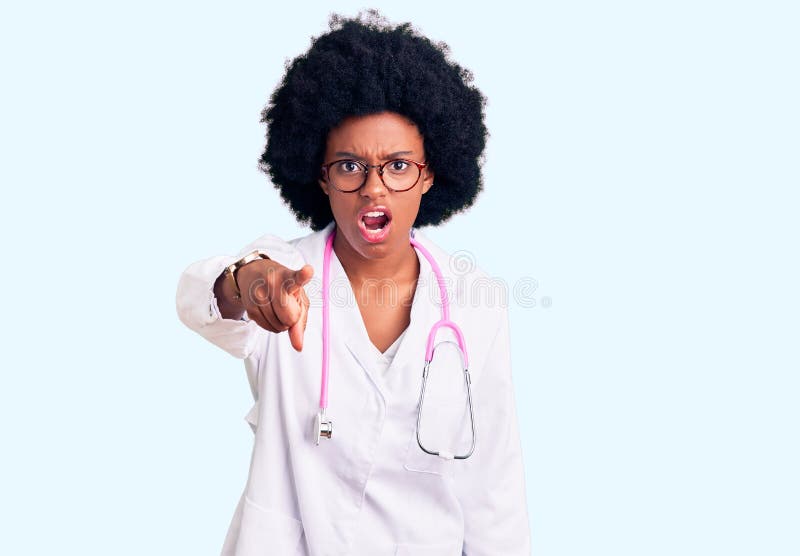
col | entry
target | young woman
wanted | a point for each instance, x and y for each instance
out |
(372, 134)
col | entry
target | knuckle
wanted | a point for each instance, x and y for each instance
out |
(258, 292)
(260, 320)
(263, 324)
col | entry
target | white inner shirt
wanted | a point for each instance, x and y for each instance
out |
(383, 360)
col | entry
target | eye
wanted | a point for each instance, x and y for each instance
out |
(348, 167)
(398, 166)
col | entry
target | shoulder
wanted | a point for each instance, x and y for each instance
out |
(311, 246)
(478, 301)
(293, 253)
(478, 305)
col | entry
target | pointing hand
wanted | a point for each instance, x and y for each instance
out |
(274, 297)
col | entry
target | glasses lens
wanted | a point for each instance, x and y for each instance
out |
(350, 175)
(400, 175)
(347, 175)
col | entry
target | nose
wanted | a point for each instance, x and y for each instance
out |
(373, 187)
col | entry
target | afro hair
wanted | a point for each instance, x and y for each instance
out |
(364, 66)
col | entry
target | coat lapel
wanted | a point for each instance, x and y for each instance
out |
(404, 375)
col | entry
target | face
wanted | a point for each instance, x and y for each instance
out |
(375, 139)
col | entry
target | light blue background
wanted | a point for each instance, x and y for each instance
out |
(642, 168)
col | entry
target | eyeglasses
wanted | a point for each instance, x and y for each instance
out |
(347, 175)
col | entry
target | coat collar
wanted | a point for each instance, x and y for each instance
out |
(405, 370)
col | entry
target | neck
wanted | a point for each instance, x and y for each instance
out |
(400, 264)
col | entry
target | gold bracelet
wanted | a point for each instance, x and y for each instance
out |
(231, 270)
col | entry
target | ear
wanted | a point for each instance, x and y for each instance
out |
(323, 183)
(427, 181)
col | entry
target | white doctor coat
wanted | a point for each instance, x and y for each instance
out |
(370, 489)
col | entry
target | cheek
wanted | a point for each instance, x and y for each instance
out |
(410, 208)
(340, 206)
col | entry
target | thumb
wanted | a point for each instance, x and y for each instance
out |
(301, 277)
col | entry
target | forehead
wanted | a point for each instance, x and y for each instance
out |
(375, 134)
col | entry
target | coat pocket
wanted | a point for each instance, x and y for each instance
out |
(264, 531)
(444, 428)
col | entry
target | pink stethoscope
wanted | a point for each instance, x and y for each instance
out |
(324, 426)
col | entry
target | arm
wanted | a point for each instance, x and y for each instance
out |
(199, 308)
(491, 483)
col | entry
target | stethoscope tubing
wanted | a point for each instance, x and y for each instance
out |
(444, 322)
(323, 426)
(326, 333)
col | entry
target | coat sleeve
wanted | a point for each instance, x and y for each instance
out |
(197, 306)
(491, 484)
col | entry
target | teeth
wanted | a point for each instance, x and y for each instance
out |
(374, 214)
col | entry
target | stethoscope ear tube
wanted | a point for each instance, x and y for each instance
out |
(467, 382)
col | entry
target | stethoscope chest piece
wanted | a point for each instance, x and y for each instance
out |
(322, 427)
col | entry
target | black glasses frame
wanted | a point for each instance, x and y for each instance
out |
(365, 167)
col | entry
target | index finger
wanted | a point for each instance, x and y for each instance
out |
(285, 303)
(297, 330)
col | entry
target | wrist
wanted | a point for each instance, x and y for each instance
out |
(229, 275)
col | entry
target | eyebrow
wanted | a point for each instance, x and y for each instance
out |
(389, 156)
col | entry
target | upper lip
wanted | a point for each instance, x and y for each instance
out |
(375, 208)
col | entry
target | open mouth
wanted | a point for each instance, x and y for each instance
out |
(375, 223)
(375, 220)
